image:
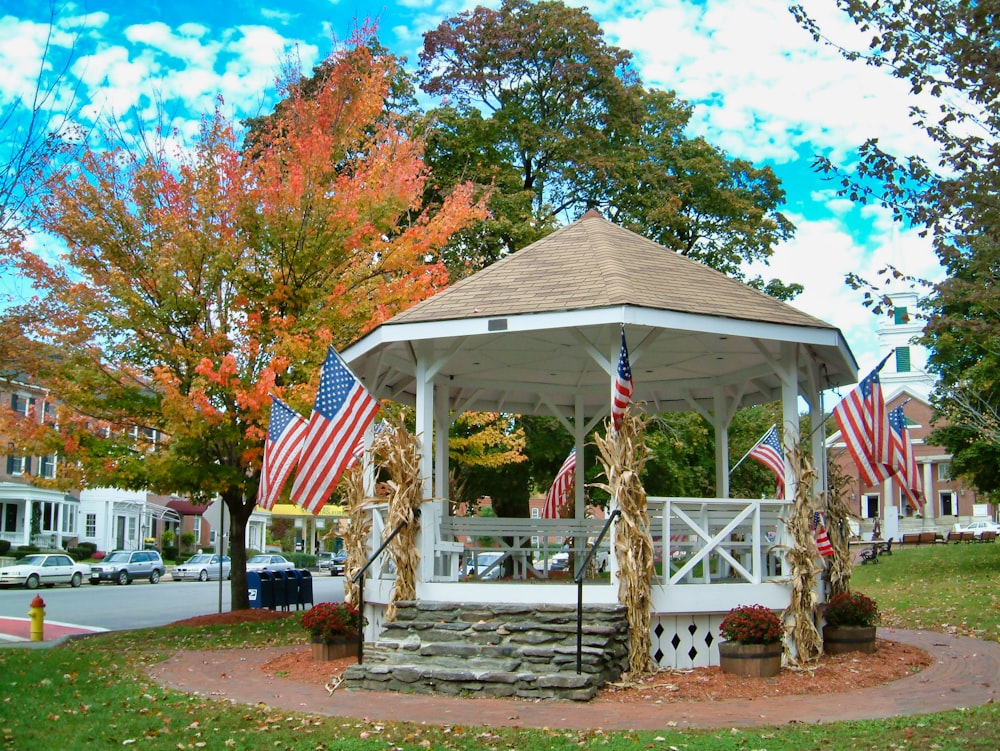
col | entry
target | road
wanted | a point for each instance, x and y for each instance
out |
(139, 604)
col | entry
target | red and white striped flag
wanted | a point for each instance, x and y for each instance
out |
(285, 431)
(823, 544)
(864, 425)
(556, 498)
(621, 393)
(341, 414)
(904, 461)
(768, 452)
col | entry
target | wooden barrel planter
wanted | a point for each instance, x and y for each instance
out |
(841, 639)
(753, 660)
(324, 651)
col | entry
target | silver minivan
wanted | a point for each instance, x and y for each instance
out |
(122, 566)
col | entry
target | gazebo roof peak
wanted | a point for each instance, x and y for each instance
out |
(593, 263)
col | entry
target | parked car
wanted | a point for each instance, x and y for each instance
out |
(124, 566)
(269, 562)
(47, 569)
(333, 562)
(480, 562)
(202, 567)
(979, 526)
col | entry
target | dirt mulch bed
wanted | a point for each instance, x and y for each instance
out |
(833, 673)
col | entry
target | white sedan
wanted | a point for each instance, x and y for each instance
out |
(269, 562)
(980, 526)
(202, 567)
(48, 569)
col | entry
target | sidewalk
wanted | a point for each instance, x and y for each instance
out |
(18, 631)
(965, 672)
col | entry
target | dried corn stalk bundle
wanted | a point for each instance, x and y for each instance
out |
(623, 455)
(401, 462)
(355, 529)
(803, 643)
(838, 517)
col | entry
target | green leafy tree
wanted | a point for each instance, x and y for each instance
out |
(948, 52)
(539, 108)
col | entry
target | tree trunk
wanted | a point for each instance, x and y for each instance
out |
(239, 515)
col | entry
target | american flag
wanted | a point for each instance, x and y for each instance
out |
(768, 452)
(864, 424)
(823, 544)
(904, 462)
(623, 388)
(341, 414)
(285, 432)
(555, 499)
(358, 452)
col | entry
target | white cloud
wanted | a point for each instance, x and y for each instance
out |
(762, 88)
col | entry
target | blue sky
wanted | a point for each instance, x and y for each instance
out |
(762, 89)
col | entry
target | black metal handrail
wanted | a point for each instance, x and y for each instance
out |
(359, 575)
(581, 572)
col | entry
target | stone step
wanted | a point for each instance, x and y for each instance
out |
(496, 649)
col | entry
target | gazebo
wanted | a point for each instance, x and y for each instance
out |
(539, 332)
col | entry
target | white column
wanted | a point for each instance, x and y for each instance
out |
(930, 497)
(720, 423)
(789, 408)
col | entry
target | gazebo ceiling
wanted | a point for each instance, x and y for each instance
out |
(540, 330)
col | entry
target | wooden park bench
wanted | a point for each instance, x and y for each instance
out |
(957, 537)
(910, 538)
(987, 535)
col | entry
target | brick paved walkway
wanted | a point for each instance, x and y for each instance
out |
(965, 672)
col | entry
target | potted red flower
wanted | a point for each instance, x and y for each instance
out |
(851, 620)
(333, 629)
(752, 645)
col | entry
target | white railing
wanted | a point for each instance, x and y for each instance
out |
(696, 541)
(718, 540)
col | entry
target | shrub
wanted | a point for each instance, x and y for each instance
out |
(752, 624)
(851, 609)
(4, 547)
(22, 550)
(333, 620)
(302, 560)
(170, 552)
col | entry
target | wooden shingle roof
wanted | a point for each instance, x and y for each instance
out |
(593, 263)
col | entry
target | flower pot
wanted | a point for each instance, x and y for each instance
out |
(337, 649)
(754, 660)
(840, 639)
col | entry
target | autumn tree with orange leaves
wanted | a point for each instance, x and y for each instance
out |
(196, 282)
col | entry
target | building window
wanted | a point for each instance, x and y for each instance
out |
(534, 513)
(901, 315)
(8, 521)
(902, 359)
(197, 532)
(21, 405)
(948, 505)
(91, 525)
(944, 471)
(18, 465)
(47, 467)
(49, 414)
(68, 520)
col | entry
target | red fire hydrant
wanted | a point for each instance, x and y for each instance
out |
(37, 614)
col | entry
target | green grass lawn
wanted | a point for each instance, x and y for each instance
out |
(94, 694)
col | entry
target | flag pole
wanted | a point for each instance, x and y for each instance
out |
(773, 425)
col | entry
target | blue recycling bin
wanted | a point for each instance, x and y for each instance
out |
(253, 589)
(304, 587)
(266, 588)
(281, 587)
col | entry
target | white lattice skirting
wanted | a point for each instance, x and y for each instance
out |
(686, 641)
